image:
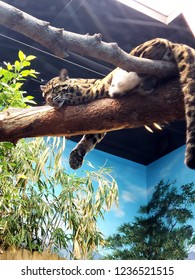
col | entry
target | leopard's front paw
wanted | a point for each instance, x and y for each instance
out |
(76, 159)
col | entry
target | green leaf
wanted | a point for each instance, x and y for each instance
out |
(21, 56)
(30, 57)
(7, 145)
(25, 63)
(9, 66)
(29, 97)
(17, 86)
(17, 65)
(25, 73)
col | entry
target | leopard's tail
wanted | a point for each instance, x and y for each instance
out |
(185, 58)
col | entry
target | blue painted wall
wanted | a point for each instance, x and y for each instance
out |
(135, 181)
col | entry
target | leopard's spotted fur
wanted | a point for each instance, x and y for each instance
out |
(63, 90)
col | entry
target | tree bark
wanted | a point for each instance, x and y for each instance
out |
(165, 104)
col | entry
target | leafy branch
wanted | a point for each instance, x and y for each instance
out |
(12, 78)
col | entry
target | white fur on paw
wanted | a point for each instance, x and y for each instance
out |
(123, 82)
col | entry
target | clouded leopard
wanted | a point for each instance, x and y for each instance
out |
(63, 90)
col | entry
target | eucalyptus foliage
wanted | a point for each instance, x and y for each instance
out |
(42, 207)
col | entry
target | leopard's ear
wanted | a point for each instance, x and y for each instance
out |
(42, 87)
(63, 75)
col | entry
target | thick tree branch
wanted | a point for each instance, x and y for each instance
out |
(60, 41)
(129, 111)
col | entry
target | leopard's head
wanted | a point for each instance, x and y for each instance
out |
(58, 90)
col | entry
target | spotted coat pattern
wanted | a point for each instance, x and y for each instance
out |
(63, 90)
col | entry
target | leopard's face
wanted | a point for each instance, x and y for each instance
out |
(60, 90)
(54, 92)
